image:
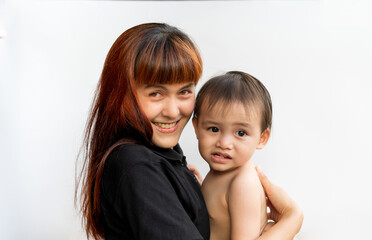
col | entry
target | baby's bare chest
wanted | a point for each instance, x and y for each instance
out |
(215, 195)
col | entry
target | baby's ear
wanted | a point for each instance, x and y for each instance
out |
(195, 124)
(264, 139)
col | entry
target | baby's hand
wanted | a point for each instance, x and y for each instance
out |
(196, 172)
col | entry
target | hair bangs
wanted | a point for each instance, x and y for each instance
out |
(167, 62)
(223, 104)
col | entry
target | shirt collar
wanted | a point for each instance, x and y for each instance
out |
(173, 154)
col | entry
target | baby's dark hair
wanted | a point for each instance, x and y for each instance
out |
(236, 87)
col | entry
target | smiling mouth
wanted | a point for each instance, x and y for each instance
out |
(166, 127)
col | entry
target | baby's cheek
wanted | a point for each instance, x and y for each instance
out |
(203, 149)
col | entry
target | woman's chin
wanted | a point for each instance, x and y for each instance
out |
(165, 140)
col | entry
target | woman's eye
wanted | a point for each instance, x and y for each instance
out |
(241, 133)
(213, 129)
(185, 92)
(154, 94)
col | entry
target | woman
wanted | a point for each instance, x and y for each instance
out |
(136, 184)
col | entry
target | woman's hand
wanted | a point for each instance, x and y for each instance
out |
(196, 172)
(283, 210)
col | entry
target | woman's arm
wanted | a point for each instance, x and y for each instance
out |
(154, 210)
(283, 210)
(143, 197)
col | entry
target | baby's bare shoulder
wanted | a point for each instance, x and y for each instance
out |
(245, 181)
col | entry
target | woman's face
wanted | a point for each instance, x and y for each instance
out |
(168, 107)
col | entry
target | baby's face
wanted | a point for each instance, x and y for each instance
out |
(228, 137)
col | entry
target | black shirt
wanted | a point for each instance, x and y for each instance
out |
(149, 193)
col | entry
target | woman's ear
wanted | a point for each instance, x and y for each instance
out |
(264, 139)
(195, 124)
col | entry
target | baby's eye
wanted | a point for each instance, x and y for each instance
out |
(241, 133)
(213, 129)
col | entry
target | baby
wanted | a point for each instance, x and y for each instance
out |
(232, 118)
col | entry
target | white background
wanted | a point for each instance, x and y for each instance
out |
(315, 57)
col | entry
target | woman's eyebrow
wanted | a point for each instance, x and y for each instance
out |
(156, 86)
(188, 85)
(164, 88)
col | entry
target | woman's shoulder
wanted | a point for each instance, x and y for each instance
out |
(131, 149)
(129, 154)
(125, 160)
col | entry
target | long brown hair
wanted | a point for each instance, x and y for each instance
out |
(147, 53)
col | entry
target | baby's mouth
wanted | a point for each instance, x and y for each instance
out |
(221, 155)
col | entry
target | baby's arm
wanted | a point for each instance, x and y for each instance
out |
(245, 206)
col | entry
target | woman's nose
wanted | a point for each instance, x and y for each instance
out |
(224, 142)
(171, 109)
